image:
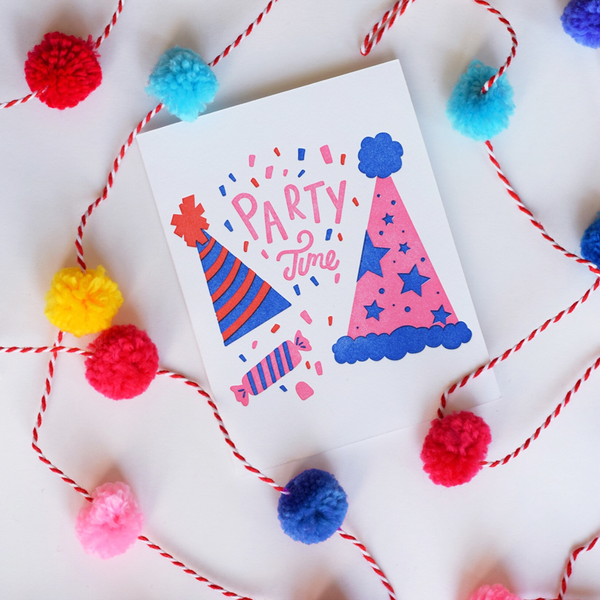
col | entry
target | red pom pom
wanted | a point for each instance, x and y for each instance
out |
(64, 69)
(454, 448)
(123, 363)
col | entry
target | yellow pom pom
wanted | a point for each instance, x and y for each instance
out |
(82, 303)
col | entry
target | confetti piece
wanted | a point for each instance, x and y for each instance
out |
(254, 182)
(276, 150)
(301, 153)
(343, 159)
(326, 154)
(228, 225)
(242, 358)
(328, 234)
(282, 387)
(330, 319)
(340, 237)
(314, 280)
(254, 344)
(301, 173)
(264, 253)
(269, 172)
(306, 317)
(246, 246)
(304, 390)
(319, 368)
(285, 172)
(355, 201)
(337, 278)
(232, 177)
(275, 328)
(308, 364)
(297, 289)
(251, 160)
(222, 190)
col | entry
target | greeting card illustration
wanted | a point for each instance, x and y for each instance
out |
(241, 299)
(272, 368)
(399, 305)
(328, 256)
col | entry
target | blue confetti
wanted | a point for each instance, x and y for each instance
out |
(297, 289)
(228, 225)
(314, 280)
(222, 190)
(242, 358)
(283, 388)
(301, 153)
(328, 235)
(301, 173)
(232, 177)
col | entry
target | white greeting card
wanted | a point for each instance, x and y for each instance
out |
(316, 261)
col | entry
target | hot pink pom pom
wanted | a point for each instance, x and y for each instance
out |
(454, 448)
(110, 524)
(123, 363)
(493, 592)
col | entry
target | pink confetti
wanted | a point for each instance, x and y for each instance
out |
(285, 172)
(251, 160)
(264, 253)
(269, 172)
(337, 278)
(319, 368)
(304, 390)
(326, 154)
(254, 344)
(306, 317)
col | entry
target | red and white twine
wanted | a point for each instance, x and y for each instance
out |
(27, 98)
(569, 568)
(110, 25)
(374, 36)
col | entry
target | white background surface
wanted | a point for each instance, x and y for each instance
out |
(515, 525)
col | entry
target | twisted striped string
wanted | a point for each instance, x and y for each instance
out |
(137, 130)
(97, 44)
(376, 33)
(569, 568)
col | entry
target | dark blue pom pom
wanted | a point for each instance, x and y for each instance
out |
(380, 156)
(314, 508)
(581, 20)
(590, 242)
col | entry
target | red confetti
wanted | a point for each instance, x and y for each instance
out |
(275, 328)
(276, 150)
(343, 159)
(340, 237)
(254, 182)
(307, 364)
(246, 243)
(330, 319)
(355, 201)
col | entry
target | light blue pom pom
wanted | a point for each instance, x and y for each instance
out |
(476, 115)
(581, 20)
(314, 507)
(183, 82)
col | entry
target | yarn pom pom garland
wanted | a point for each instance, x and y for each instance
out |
(581, 20)
(124, 362)
(63, 70)
(454, 448)
(110, 524)
(82, 303)
(183, 82)
(475, 114)
(590, 242)
(314, 507)
(493, 592)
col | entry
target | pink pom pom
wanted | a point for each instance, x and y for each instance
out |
(110, 524)
(454, 448)
(123, 363)
(493, 592)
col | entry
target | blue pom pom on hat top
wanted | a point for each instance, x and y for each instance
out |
(475, 114)
(314, 508)
(183, 82)
(581, 20)
(590, 242)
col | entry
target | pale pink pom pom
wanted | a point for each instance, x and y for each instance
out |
(110, 524)
(493, 592)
